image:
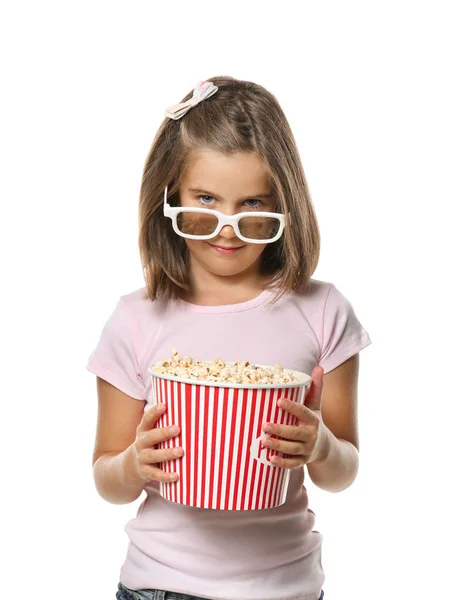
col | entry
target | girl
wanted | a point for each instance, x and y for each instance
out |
(229, 280)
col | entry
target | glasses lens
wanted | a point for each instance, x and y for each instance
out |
(259, 228)
(193, 223)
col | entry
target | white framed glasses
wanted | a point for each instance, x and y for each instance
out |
(204, 223)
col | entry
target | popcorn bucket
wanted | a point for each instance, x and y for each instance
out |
(224, 465)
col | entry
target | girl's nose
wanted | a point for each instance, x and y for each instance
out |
(227, 232)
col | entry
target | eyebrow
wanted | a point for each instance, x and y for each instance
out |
(207, 193)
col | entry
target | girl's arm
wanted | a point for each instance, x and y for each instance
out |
(115, 471)
(126, 454)
(338, 466)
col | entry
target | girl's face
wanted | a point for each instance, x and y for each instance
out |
(229, 184)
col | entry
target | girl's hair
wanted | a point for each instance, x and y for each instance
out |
(241, 116)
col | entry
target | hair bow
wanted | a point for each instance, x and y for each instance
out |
(202, 90)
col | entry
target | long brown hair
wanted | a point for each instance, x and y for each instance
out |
(241, 116)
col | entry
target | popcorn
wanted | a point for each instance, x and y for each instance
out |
(223, 372)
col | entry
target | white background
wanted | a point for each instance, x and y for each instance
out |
(370, 91)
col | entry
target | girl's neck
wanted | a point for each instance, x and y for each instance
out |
(209, 289)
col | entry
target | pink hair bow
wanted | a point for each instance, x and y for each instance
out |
(202, 90)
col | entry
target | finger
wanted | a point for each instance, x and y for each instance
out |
(314, 396)
(150, 417)
(289, 432)
(303, 413)
(160, 434)
(287, 463)
(294, 448)
(149, 456)
(159, 475)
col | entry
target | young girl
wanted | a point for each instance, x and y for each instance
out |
(231, 280)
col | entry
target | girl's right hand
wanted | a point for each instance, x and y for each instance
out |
(146, 456)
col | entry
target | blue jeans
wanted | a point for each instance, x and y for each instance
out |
(125, 593)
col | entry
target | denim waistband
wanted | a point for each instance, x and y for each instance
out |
(125, 593)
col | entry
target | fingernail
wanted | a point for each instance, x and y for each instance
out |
(267, 442)
(177, 451)
(174, 429)
(282, 403)
(267, 428)
(160, 407)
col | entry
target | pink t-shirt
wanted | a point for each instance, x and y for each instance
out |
(233, 555)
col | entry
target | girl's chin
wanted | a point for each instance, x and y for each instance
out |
(224, 266)
(225, 263)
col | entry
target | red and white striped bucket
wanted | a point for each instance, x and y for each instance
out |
(224, 464)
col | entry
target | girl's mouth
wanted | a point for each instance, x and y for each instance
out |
(225, 250)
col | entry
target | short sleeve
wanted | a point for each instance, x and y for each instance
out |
(343, 334)
(115, 357)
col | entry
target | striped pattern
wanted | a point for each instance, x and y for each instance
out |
(218, 427)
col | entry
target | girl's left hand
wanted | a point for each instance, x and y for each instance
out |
(309, 436)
